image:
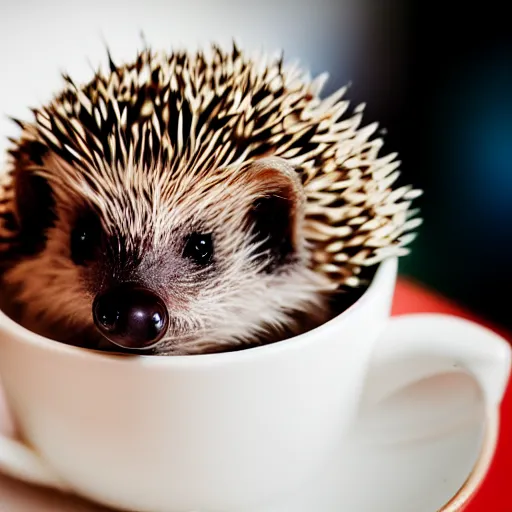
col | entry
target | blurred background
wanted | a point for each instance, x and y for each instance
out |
(430, 74)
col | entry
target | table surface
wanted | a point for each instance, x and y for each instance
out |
(493, 495)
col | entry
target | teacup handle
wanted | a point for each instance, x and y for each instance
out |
(21, 462)
(414, 347)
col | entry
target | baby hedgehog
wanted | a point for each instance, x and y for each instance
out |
(187, 202)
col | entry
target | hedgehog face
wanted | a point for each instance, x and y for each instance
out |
(195, 266)
(141, 209)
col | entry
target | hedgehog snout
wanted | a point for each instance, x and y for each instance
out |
(131, 316)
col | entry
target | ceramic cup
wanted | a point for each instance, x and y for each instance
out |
(231, 432)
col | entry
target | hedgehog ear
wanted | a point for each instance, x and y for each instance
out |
(34, 202)
(276, 214)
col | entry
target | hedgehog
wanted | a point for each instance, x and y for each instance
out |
(188, 202)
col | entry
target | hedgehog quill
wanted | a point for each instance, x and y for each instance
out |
(192, 202)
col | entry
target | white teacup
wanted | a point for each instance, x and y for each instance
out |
(231, 432)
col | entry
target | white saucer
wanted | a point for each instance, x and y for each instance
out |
(425, 450)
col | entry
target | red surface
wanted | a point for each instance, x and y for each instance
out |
(495, 493)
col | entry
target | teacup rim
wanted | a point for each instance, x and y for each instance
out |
(10, 327)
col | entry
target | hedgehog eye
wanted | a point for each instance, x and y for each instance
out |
(85, 240)
(199, 248)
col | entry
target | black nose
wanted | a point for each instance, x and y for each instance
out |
(131, 316)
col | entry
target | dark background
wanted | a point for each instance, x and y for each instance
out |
(438, 77)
